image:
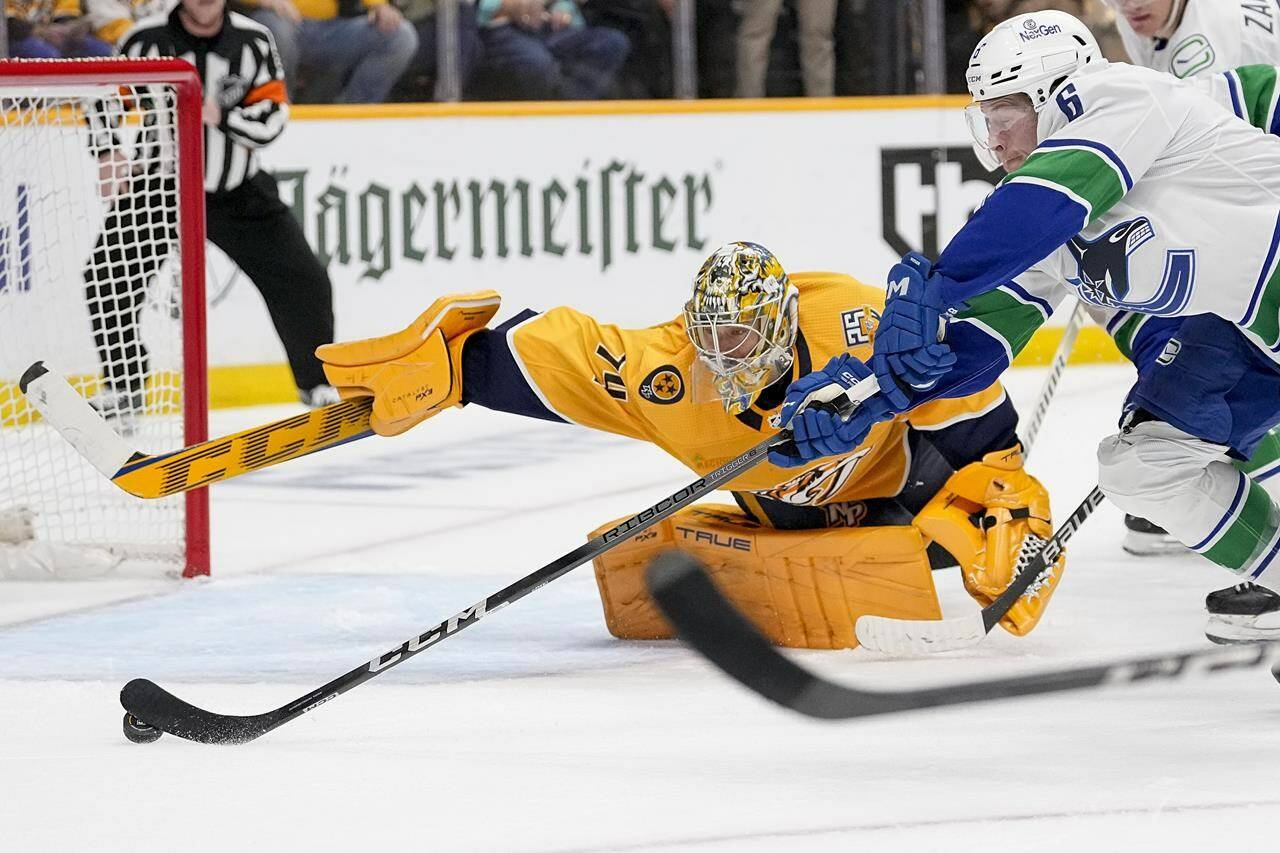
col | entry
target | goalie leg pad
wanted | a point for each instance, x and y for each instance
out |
(993, 518)
(416, 372)
(801, 588)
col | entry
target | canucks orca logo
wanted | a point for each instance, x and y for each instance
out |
(1102, 270)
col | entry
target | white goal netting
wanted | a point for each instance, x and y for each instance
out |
(90, 261)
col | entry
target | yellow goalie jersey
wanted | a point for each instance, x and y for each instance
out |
(648, 384)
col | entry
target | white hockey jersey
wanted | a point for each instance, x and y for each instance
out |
(1149, 199)
(1213, 35)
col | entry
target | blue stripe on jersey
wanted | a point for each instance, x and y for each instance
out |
(1026, 296)
(1266, 473)
(1095, 146)
(1241, 488)
(975, 436)
(1266, 564)
(1019, 225)
(1263, 275)
(492, 379)
(1115, 321)
(1233, 86)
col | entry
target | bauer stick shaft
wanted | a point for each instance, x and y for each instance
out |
(1056, 367)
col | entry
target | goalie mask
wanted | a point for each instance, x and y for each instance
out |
(1031, 55)
(742, 321)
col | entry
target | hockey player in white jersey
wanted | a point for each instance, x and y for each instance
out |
(1202, 38)
(1190, 37)
(1136, 191)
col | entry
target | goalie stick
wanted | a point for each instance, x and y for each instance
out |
(707, 621)
(150, 707)
(200, 464)
(919, 636)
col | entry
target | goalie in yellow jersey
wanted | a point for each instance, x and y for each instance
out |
(810, 546)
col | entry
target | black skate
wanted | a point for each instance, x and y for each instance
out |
(1244, 613)
(1144, 539)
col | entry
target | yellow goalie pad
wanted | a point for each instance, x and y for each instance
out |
(416, 372)
(993, 518)
(802, 588)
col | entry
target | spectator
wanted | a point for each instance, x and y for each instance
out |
(50, 29)
(544, 50)
(423, 16)
(341, 51)
(111, 19)
(817, 45)
(648, 24)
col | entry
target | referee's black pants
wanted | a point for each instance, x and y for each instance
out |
(255, 229)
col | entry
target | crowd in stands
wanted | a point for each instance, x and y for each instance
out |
(371, 51)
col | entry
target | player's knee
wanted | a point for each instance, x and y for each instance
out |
(1154, 468)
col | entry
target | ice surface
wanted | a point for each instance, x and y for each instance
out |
(536, 731)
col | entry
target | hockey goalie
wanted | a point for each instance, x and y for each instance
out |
(810, 545)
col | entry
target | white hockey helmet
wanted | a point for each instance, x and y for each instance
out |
(1030, 54)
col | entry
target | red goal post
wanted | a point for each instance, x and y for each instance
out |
(54, 228)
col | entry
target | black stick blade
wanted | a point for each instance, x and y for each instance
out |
(157, 707)
(31, 374)
(707, 621)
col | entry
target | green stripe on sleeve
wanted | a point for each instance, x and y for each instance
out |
(1124, 334)
(1010, 318)
(1079, 171)
(1257, 85)
(1266, 323)
(1267, 453)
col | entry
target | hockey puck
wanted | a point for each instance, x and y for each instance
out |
(139, 732)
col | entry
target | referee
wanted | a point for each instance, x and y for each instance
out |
(245, 108)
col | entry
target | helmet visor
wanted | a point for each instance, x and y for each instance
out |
(989, 121)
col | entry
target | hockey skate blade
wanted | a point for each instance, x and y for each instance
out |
(157, 707)
(919, 636)
(75, 420)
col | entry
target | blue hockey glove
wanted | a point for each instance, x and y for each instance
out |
(907, 350)
(819, 431)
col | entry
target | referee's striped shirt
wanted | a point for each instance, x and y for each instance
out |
(241, 72)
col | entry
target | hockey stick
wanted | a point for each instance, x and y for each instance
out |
(707, 621)
(151, 709)
(902, 636)
(1050, 386)
(191, 467)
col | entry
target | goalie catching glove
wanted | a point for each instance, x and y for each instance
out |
(416, 372)
(993, 518)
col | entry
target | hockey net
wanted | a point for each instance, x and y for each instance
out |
(101, 276)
